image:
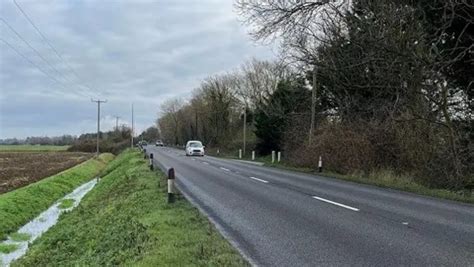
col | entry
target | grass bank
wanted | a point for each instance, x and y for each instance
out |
(126, 221)
(21, 205)
(382, 178)
(32, 148)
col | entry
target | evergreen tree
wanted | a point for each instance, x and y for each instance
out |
(272, 118)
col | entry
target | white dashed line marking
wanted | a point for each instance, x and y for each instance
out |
(205, 163)
(194, 159)
(224, 169)
(258, 179)
(335, 203)
(405, 223)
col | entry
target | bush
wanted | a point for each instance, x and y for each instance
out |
(89, 145)
(342, 149)
(111, 142)
(406, 148)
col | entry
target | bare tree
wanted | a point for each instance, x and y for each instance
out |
(299, 26)
(170, 121)
(220, 99)
(260, 79)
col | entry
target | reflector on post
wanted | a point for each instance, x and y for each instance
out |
(171, 178)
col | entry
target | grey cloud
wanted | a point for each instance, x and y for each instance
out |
(128, 51)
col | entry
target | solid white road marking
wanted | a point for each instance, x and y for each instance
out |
(222, 168)
(335, 203)
(258, 179)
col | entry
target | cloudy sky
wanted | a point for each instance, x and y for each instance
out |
(140, 52)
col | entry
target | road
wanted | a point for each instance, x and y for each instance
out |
(283, 218)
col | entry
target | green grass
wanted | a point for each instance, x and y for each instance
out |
(382, 178)
(66, 203)
(8, 248)
(20, 237)
(29, 148)
(126, 221)
(20, 206)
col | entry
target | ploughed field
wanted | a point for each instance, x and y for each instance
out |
(18, 169)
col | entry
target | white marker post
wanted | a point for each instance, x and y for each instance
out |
(151, 161)
(273, 156)
(320, 164)
(253, 155)
(240, 153)
(171, 185)
(218, 152)
(278, 156)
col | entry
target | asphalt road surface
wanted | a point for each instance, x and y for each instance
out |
(283, 218)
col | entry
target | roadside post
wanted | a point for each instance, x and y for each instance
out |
(240, 153)
(151, 161)
(171, 185)
(144, 151)
(218, 152)
(273, 156)
(253, 155)
(278, 156)
(320, 164)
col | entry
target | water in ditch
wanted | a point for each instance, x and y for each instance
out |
(36, 227)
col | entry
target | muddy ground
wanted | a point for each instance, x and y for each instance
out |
(18, 169)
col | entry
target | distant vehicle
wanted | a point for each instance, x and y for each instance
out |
(142, 143)
(159, 143)
(194, 148)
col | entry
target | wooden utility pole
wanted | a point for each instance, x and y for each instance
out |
(196, 124)
(245, 129)
(131, 141)
(116, 122)
(98, 101)
(313, 106)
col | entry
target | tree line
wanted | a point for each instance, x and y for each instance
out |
(367, 85)
(40, 140)
(110, 141)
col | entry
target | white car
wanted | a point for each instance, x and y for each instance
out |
(194, 148)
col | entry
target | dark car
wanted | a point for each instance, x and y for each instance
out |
(142, 143)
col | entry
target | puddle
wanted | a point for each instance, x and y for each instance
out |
(36, 227)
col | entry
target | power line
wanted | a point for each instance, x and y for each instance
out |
(37, 52)
(49, 44)
(29, 45)
(34, 64)
(31, 62)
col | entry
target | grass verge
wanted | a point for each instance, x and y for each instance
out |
(66, 203)
(20, 206)
(125, 220)
(20, 237)
(382, 178)
(8, 248)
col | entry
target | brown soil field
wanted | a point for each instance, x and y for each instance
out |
(20, 169)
